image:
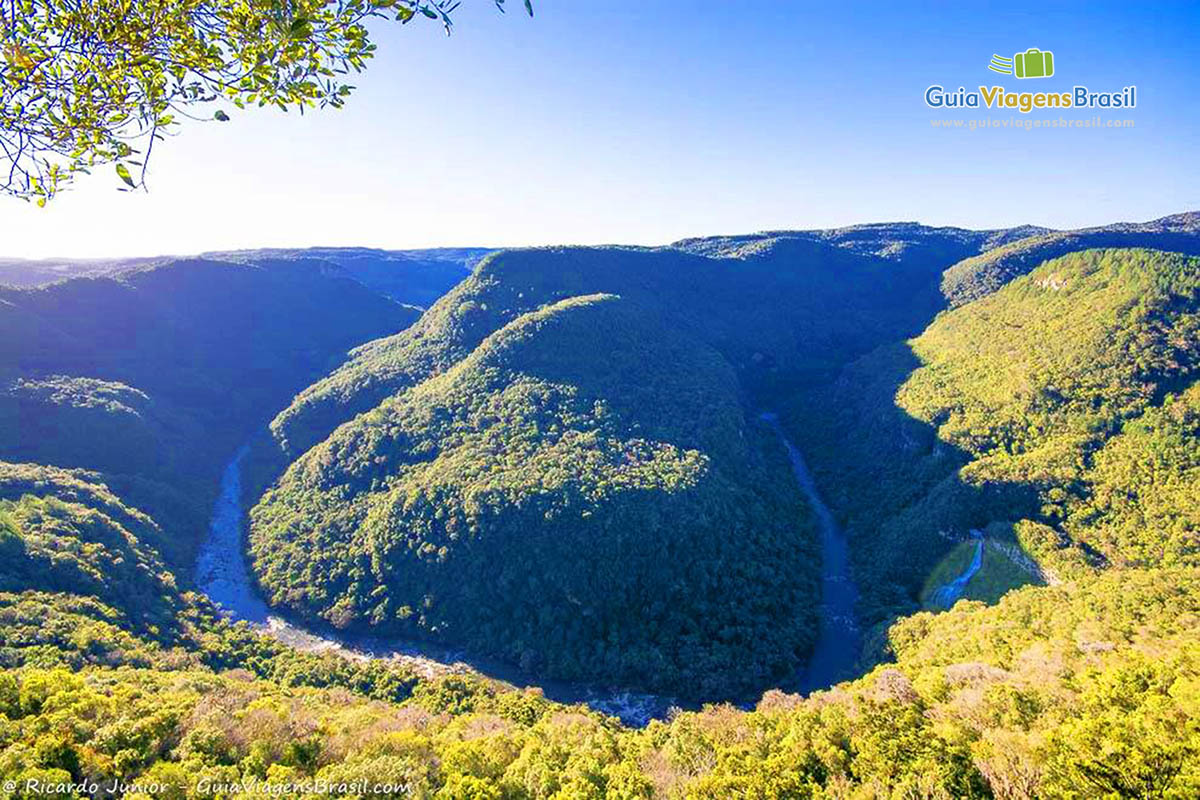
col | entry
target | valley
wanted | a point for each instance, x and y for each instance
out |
(418, 528)
(223, 575)
(836, 654)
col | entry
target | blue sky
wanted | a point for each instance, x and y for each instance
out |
(649, 121)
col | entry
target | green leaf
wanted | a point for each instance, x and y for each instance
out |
(123, 174)
(221, 116)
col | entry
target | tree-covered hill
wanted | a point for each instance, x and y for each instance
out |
(982, 274)
(1063, 406)
(105, 425)
(68, 533)
(783, 313)
(780, 316)
(411, 277)
(561, 463)
(791, 310)
(1083, 691)
(582, 494)
(934, 248)
(155, 376)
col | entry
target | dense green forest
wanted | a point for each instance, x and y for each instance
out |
(1082, 690)
(560, 463)
(581, 495)
(1061, 411)
(1079, 691)
(524, 421)
(1108, 335)
(978, 275)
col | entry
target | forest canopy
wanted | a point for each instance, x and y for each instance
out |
(561, 463)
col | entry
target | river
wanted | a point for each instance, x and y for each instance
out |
(839, 640)
(223, 574)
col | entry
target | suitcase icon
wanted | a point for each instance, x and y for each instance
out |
(1034, 63)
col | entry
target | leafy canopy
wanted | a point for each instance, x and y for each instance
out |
(85, 83)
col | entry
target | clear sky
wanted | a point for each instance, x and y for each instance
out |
(642, 122)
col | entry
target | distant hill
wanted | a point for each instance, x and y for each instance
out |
(21, 272)
(975, 263)
(163, 371)
(412, 277)
(909, 241)
(979, 275)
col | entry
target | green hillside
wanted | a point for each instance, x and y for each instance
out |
(66, 534)
(582, 495)
(561, 464)
(982, 274)
(1057, 693)
(788, 310)
(1063, 404)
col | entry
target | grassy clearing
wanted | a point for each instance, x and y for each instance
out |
(998, 575)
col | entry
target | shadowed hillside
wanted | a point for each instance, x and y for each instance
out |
(1063, 405)
(155, 376)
